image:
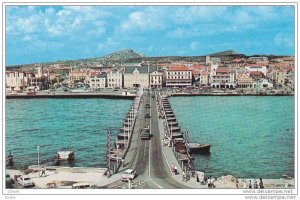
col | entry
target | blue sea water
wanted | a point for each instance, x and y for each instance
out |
(250, 136)
(55, 123)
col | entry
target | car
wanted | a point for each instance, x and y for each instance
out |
(25, 181)
(147, 105)
(145, 134)
(8, 181)
(129, 174)
(147, 115)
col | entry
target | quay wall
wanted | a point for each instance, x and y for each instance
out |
(70, 95)
(225, 94)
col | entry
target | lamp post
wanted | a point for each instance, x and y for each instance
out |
(38, 151)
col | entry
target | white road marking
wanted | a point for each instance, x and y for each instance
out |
(150, 151)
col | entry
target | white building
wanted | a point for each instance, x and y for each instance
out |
(204, 77)
(156, 78)
(17, 81)
(263, 83)
(97, 82)
(256, 68)
(223, 78)
(178, 76)
(114, 79)
(136, 76)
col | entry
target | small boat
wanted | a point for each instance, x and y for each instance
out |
(199, 148)
(65, 155)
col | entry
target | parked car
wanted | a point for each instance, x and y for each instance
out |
(129, 174)
(25, 181)
(8, 181)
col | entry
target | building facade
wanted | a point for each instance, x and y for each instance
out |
(223, 78)
(76, 76)
(135, 76)
(257, 68)
(97, 82)
(178, 76)
(156, 79)
(17, 81)
(244, 80)
(114, 79)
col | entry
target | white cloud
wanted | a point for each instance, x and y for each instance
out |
(150, 18)
(194, 46)
(284, 40)
(196, 14)
(27, 38)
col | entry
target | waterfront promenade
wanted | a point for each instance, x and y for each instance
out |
(150, 158)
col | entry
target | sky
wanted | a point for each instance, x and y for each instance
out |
(50, 33)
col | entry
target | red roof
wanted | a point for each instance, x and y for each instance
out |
(289, 69)
(179, 68)
(256, 73)
(269, 71)
(222, 70)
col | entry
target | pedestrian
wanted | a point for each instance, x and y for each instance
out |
(43, 172)
(237, 183)
(175, 170)
(255, 185)
(209, 182)
(261, 184)
(212, 181)
(183, 176)
(197, 179)
(250, 184)
(245, 184)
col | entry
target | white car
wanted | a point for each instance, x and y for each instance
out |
(129, 174)
(25, 181)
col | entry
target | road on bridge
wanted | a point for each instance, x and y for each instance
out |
(150, 164)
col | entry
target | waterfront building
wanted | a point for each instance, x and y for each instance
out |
(280, 77)
(114, 79)
(290, 77)
(156, 78)
(135, 76)
(204, 78)
(76, 76)
(97, 82)
(222, 78)
(256, 68)
(271, 74)
(17, 81)
(244, 80)
(178, 76)
(262, 83)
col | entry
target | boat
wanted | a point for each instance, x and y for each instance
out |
(199, 148)
(65, 155)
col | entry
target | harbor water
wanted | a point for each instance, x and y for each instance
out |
(52, 124)
(251, 137)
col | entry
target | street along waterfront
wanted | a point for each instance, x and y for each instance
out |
(251, 136)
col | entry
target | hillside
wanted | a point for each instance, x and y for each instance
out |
(121, 55)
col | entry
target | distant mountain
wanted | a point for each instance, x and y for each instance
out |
(122, 55)
(225, 53)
